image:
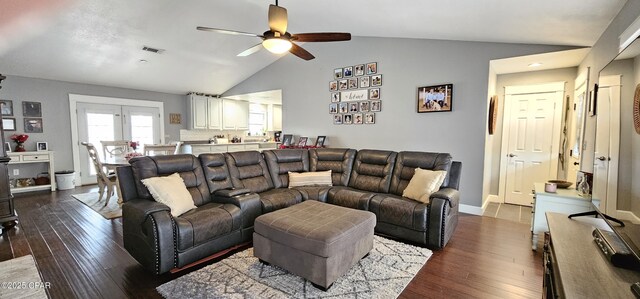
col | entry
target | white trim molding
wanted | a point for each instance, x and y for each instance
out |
(467, 209)
(627, 215)
(629, 35)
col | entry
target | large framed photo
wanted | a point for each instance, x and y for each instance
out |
(31, 109)
(436, 98)
(6, 107)
(33, 125)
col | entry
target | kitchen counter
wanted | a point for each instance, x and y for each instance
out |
(200, 148)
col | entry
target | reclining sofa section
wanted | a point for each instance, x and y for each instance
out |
(230, 190)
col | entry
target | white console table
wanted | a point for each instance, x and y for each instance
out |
(29, 158)
(565, 201)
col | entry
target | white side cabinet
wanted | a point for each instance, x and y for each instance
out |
(565, 201)
(39, 161)
(235, 115)
(206, 113)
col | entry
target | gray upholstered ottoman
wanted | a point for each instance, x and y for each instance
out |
(315, 240)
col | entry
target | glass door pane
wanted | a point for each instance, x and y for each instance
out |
(142, 124)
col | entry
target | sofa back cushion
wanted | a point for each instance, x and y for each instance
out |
(249, 170)
(187, 166)
(338, 160)
(215, 171)
(406, 165)
(281, 162)
(372, 170)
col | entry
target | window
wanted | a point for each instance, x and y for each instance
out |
(257, 119)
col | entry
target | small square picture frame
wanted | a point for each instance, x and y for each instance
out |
(343, 84)
(286, 139)
(372, 68)
(335, 97)
(333, 85)
(343, 107)
(364, 81)
(9, 124)
(302, 142)
(347, 119)
(347, 72)
(33, 125)
(175, 118)
(320, 141)
(42, 146)
(353, 107)
(374, 94)
(364, 106)
(333, 108)
(31, 109)
(358, 118)
(358, 70)
(337, 119)
(376, 80)
(353, 83)
(370, 118)
(376, 106)
(7, 147)
(337, 73)
(6, 107)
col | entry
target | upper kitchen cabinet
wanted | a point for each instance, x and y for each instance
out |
(235, 115)
(205, 112)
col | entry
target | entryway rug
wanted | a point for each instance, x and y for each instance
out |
(112, 210)
(20, 279)
(383, 274)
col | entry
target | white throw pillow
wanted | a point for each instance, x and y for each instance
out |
(318, 178)
(171, 191)
(423, 183)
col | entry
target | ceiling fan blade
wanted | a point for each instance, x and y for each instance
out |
(322, 37)
(278, 18)
(251, 50)
(224, 31)
(300, 52)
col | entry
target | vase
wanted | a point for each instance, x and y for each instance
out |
(20, 147)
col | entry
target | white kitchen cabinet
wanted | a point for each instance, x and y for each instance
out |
(235, 115)
(276, 117)
(206, 113)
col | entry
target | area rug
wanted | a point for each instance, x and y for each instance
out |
(383, 274)
(112, 210)
(20, 279)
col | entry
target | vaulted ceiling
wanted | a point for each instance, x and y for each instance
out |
(100, 42)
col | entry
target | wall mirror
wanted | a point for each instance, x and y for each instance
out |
(576, 126)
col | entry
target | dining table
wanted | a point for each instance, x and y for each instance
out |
(111, 163)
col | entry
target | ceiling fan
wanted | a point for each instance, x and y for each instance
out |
(277, 40)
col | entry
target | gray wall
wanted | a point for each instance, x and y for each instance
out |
(54, 96)
(405, 65)
(567, 75)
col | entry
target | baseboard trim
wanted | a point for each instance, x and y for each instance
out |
(627, 215)
(470, 209)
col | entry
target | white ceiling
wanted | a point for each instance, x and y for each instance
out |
(99, 42)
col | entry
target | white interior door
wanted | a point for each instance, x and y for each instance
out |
(96, 122)
(531, 138)
(577, 126)
(606, 147)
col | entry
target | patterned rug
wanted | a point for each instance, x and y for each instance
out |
(20, 279)
(112, 210)
(383, 274)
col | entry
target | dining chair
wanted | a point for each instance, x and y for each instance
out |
(161, 149)
(114, 148)
(104, 179)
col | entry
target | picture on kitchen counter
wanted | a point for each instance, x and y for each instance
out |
(320, 141)
(286, 139)
(302, 142)
(437, 98)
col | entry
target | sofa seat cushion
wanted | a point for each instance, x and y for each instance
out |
(315, 227)
(279, 198)
(400, 211)
(318, 193)
(350, 197)
(207, 222)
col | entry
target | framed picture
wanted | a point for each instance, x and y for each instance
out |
(376, 80)
(337, 119)
(333, 108)
(7, 147)
(353, 107)
(344, 107)
(376, 106)
(364, 106)
(374, 94)
(347, 119)
(359, 70)
(9, 124)
(33, 125)
(286, 139)
(333, 85)
(320, 141)
(370, 118)
(364, 82)
(6, 107)
(372, 68)
(348, 72)
(353, 83)
(302, 141)
(343, 84)
(175, 118)
(436, 98)
(335, 97)
(42, 146)
(31, 109)
(358, 118)
(337, 73)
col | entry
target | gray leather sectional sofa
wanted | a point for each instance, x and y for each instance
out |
(230, 190)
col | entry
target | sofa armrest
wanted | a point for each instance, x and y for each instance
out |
(148, 233)
(231, 192)
(249, 204)
(443, 220)
(452, 196)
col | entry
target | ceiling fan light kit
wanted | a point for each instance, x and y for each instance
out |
(277, 40)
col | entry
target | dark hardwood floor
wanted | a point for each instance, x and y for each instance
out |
(82, 255)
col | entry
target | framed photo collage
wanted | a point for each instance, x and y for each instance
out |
(355, 94)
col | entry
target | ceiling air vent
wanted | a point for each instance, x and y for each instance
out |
(152, 50)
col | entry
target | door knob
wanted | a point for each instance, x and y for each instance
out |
(602, 158)
(576, 163)
(511, 155)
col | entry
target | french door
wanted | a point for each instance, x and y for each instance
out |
(102, 122)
